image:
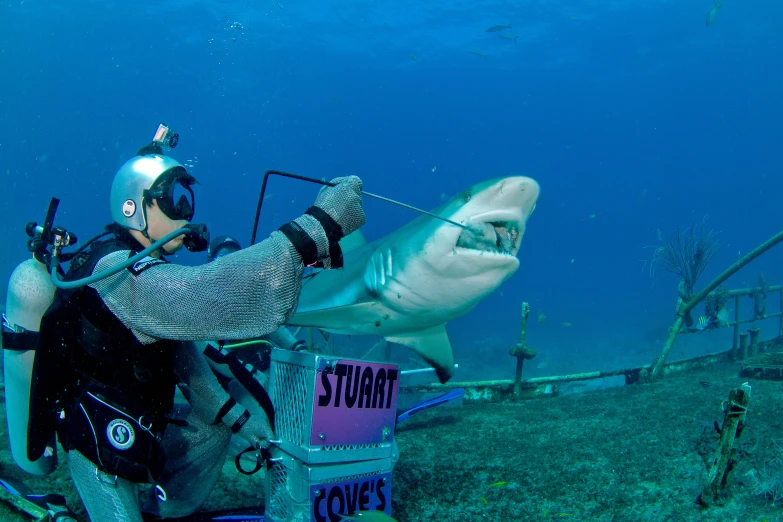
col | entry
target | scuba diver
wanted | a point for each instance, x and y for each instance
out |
(110, 353)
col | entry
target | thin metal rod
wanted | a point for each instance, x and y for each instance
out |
(735, 324)
(405, 205)
(329, 184)
(751, 291)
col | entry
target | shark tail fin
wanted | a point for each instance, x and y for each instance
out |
(433, 346)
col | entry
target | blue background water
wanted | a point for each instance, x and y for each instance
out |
(633, 111)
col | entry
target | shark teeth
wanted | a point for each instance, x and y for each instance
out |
(497, 237)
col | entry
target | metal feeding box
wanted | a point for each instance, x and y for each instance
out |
(297, 492)
(330, 409)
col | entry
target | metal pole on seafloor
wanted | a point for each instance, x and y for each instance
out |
(780, 324)
(734, 414)
(521, 350)
(735, 345)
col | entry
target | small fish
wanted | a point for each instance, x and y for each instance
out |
(498, 484)
(723, 318)
(507, 36)
(496, 28)
(369, 516)
(479, 53)
(713, 13)
(413, 57)
(567, 324)
(434, 169)
(705, 384)
(591, 216)
(703, 323)
(541, 317)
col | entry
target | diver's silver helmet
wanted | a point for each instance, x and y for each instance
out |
(134, 182)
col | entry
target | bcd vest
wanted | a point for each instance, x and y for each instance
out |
(103, 392)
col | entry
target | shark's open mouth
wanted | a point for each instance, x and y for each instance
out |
(497, 237)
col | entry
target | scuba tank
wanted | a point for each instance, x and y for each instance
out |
(30, 292)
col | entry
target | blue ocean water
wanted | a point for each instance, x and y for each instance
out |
(635, 118)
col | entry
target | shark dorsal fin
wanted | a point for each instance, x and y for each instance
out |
(353, 241)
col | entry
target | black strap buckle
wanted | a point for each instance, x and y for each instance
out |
(262, 456)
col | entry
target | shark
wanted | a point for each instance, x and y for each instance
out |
(408, 284)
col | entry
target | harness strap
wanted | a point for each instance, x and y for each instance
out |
(225, 409)
(245, 378)
(20, 341)
(240, 422)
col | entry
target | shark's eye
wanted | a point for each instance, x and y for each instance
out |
(466, 196)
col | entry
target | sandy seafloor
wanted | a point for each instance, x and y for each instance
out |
(626, 453)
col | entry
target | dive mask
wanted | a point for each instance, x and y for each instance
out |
(174, 194)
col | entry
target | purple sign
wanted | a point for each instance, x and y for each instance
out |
(333, 501)
(355, 403)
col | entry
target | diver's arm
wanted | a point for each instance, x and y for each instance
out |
(204, 392)
(221, 368)
(211, 403)
(245, 295)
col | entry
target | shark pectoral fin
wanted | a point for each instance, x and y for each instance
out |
(338, 318)
(353, 241)
(433, 346)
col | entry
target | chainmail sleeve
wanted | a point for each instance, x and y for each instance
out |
(198, 383)
(247, 294)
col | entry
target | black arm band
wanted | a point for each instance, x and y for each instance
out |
(225, 409)
(240, 422)
(334, 233)
(302, 242)
(20, 341)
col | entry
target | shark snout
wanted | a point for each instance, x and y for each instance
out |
(519, 191)
(511, 199)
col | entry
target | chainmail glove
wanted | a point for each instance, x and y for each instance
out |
(343, 203)
(254, 429)
(337, 212)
